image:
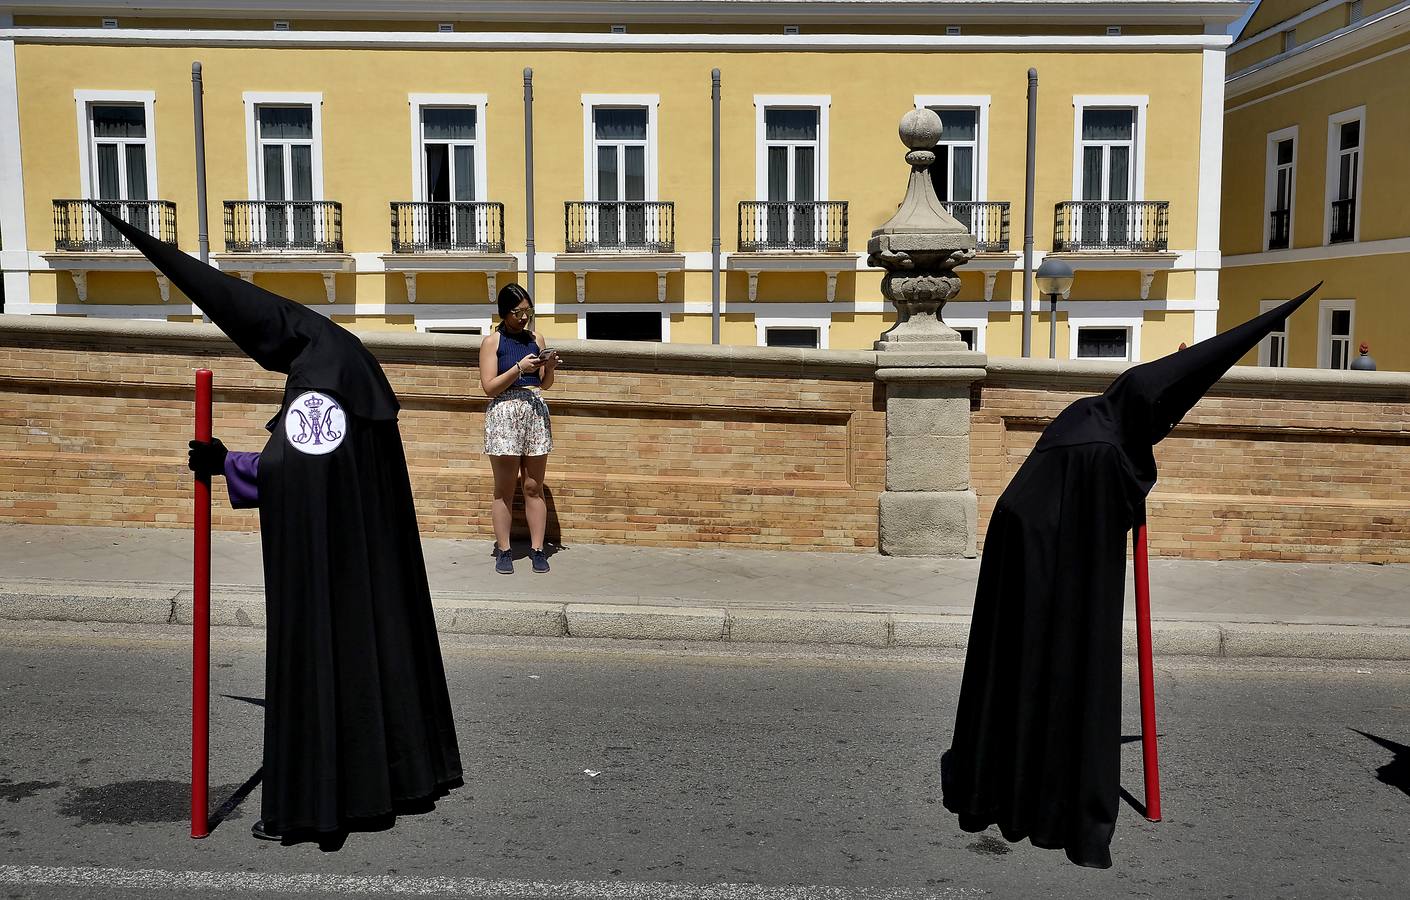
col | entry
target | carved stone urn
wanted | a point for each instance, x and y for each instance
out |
(919, 248)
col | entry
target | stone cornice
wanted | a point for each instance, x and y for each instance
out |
(909, 12)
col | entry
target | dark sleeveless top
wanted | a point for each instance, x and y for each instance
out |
(514, 347)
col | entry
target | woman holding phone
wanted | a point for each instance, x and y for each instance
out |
(515, 370)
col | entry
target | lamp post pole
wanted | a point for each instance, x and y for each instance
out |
(1054, 277)
(1052, 327)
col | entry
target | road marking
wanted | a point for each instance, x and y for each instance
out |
(445, 886)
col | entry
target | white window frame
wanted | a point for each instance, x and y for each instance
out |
(1334, 123)
(1324, 331)
(1265, 346)
(1270, 184)
(980, 325)
(419, 102)
(762, 102)
(665, 311)
(84, 101)
(484, 323)
(1137, 102)
(762, 324)
(254, 99)
(979, 102)
(652, 103)
(1131, 323)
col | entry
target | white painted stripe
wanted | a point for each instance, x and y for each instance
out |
(12, 217)
(1349, 250)
(446, 886)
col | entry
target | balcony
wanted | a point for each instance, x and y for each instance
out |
(263, 226)
(84, 242)
(619, 226)
(454, 226)
(78, 227)
(988, 221)
(1343, 221)
(448, 237)
(1279, 222)
(1135, 226)
(285, 236)
(619, 236)
(818, 226)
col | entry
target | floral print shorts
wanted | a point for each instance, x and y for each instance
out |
(516, 424)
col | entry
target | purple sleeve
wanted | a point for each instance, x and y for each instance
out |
(242, 479)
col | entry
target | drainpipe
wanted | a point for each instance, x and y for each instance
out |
(1028, 215)
(715, 209)
(203, 225)
(529, 179)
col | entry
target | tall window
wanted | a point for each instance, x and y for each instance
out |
(1343, 176)
(449, 151)
(1337, 321)
(1108, 174)
(620, 146)
(1273, 350)
(118, 160)
(1281, 161)
(285, 137)
(791, 154)
(956, 154)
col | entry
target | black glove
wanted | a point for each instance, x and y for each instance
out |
(207, 459)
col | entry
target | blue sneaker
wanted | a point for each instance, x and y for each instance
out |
(539, 559)
(503, 562)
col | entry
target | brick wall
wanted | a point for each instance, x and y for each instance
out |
(1289, 464)
(676, 445)
(659, 444)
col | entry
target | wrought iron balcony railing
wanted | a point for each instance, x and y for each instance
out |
(77, 225)
(816, 225)
(1278, 234)
(470, 227)
(254, 226)
(1343, 220)
(1132, 225)
(988, 221)
(619, 226)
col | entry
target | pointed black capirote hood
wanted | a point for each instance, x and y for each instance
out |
(279, 334)
(1147, 401)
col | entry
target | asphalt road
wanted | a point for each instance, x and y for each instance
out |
(758, 774)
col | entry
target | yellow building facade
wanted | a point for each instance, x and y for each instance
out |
(373, 161)
(1317, 113)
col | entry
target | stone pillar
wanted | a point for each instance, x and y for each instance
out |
(928, 508)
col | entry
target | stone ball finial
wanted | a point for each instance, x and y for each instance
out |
(920, 129)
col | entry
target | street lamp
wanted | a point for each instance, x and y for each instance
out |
(1054, 277)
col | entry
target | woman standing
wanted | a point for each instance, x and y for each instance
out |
(515, 369)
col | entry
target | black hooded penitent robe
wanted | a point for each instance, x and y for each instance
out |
(358, 720)
(1037, 733)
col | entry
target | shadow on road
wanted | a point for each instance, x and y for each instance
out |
(1395, 773)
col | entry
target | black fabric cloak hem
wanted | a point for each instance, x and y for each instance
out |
(1037, 734)
(358, 715)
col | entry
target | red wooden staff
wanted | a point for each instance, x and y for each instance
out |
(201, 626)
(1151, 759)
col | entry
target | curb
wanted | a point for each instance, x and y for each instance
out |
(693, 620)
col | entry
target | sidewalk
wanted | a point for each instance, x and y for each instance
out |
(1234, 609)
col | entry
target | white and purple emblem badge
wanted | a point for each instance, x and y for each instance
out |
(315, 424)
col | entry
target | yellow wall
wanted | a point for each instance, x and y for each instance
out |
(367, 147)
(1361, 76)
